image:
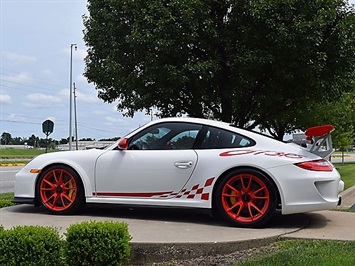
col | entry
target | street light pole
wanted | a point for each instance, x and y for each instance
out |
(75, 121)
(71, 95)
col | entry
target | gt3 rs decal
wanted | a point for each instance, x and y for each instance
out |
(196, 191)
(259, 152)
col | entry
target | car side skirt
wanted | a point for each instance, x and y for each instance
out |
(21, 200)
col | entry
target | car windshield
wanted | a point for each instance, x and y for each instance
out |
(114, 145)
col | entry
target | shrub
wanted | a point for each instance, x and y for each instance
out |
(97, 243)
(5, 203)
(30, 245)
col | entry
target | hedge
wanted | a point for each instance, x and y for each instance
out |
(87, 243)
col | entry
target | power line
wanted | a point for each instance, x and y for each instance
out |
(41, 80)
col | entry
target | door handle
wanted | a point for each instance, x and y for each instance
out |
(183, 165)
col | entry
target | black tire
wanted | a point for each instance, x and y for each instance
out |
(245, 198)
(60, 190)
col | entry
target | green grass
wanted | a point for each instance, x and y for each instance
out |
(21, 153)
(6, 196)
(347, 173)
(19, 156)
(305, 252)
(5, 199)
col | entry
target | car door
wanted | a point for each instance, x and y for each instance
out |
(158, 163)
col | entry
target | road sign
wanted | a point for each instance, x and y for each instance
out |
(47, 127)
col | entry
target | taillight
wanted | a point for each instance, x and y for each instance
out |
(317, 165)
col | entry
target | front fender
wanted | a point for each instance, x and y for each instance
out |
(85, 176)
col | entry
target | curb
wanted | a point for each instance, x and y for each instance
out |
(348, 198)
(12, 164)
(148, 253)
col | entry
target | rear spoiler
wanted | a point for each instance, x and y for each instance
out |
(320, 140)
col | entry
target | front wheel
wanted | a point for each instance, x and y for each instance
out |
(246, 198)
(60, 190)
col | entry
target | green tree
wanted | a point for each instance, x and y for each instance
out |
(6, 138)
(248, 62)
(64, 141)
(341, 114)
(33, 141)
(17, 141)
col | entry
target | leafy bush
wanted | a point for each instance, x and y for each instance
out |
(30, 245)
(97, 243)
(5, 203)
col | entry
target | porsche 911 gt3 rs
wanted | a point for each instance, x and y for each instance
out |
(190, 163)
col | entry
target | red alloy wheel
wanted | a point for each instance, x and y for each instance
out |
(58, 190)
(247, 199)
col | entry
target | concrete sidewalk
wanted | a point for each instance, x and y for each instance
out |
(166, 234)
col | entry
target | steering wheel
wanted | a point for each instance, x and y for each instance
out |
(144, 146)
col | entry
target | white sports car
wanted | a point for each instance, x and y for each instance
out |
(189, 163)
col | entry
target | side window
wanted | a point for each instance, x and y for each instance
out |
(217, 138)
(146, 139)
(166, 136)
(184, 140)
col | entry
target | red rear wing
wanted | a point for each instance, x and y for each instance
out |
(321, 140)
(319, 131)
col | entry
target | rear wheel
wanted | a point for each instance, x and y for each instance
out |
(60, 190)
(246, 198)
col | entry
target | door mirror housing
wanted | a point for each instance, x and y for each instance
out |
(123, 144)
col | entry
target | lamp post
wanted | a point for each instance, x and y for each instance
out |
(75, 121)
(71, 95)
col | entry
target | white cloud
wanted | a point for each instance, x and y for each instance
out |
(81, 79)
(15, 118)
(47, 72)
(78, 54)
(52, 118)
(64, 93)
(81, 96)
(4, 98)
(115, 121)
(39, 100)
(99, 112)
(19, 79)
(18, 59)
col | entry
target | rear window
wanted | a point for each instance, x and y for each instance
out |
(216, 138)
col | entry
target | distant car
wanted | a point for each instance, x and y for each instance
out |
(189, 163)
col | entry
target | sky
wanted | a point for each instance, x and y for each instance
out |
(35, 46)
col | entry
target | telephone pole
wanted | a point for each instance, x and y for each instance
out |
(71, 95)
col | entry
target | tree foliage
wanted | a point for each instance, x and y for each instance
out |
(342, 115)
(5, 138)
(252, 63)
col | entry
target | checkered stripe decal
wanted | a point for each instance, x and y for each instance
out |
(196, 191)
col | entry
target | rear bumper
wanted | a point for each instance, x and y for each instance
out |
(305, 191)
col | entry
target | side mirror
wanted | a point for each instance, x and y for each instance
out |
(123, 144)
